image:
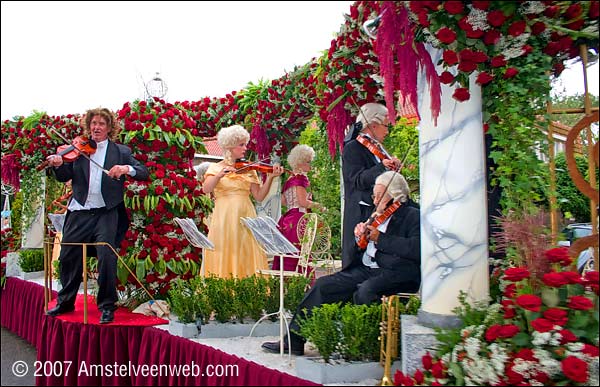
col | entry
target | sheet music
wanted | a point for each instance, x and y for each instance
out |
(265, 231)
(193, 235)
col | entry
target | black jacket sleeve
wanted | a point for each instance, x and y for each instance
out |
(400, 245)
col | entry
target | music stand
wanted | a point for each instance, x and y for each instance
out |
(273, 242)
(195, 237)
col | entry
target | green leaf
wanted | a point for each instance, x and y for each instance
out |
(521, 339)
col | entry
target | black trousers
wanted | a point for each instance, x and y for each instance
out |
(98, 225)
(358, 284)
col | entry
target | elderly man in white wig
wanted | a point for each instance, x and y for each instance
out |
(389, 263)
(363, 159)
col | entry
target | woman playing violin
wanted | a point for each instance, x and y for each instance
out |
(296, 199)
(363, 159)
(236, 251)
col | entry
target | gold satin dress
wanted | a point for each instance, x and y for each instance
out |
(236, 251)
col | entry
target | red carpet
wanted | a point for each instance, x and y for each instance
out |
(123, 317)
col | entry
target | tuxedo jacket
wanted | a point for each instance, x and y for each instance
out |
(78, 172)
(399, 248)
(359, 169)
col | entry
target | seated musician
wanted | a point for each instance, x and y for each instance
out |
(390, 264)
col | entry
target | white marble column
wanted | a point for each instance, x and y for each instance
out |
(454, 248)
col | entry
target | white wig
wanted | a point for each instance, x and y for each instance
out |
(300, 154)
(396, 185)
(372, 113)
(232, 136)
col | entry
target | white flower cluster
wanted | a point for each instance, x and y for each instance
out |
(546, 338)
(549, 365)
(513, 47)
(135, 187)
(478, 19)
(531, 7)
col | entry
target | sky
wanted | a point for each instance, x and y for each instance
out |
(63, 58)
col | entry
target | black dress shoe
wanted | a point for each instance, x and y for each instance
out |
(108, 316)
(274, 346)
(60, 309)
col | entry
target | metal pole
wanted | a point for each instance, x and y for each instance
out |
(552, 167)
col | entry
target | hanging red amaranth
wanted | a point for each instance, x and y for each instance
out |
(337, 121)
(395, 37)
(389, 36)
(259, 137)
(10, 170)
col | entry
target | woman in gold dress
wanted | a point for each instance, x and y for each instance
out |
(236, 251)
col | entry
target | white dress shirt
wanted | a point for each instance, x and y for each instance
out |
(369, 253)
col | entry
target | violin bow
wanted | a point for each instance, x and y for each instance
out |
(81, 153)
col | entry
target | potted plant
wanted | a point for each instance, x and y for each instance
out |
(185, 306)
(31, 262)
(346, 337)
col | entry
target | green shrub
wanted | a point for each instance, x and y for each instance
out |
(31, 260)
(294, 289)
(220, 293)
(322, 328)
(249, 297)
(184, 302)
(360, 331)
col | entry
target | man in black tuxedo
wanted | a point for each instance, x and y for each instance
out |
(390, 263)
(360, 168)
(96, 212)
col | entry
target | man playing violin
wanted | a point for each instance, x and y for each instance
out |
(363, 159)
(391, 262)
(96, 211)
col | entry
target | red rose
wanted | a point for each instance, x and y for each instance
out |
(558, 254)
(551, 11)
(554, 279)
(437, 370)
(496, 18)
(450, 57)
(454, 7)
(567, 336)
(594, 10)
(446, 35)
(484, 78)
(446, 77)
(483, 5)
(573, 11)
(576, 25)
(491, 37)
(418, 376)
(575, 369)
(469, 30)
(498, 61)
(542, 325)
(427, 361)
(517, 28)
(590, 350)
(508, 331)
(592, 276)
(461, 94)
(529, 302)
(580, 303)
(525, 354)
(492, 333)
(558, 68)
(557, 316)
(467, 66)
(538, 27)
(515, 274)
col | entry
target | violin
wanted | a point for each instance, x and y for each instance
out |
(374, 147)
(375, 221)
(242, 166)
(69, 153)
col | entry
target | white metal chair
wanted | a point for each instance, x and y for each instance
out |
(320, 257)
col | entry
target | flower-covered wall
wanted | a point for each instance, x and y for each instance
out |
(513, 46)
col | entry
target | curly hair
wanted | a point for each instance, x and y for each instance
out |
(396, 185)
(109, 117)
(300, 154)
(372, 113)
(231, 136)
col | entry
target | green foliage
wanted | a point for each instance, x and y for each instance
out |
(246, 301)
(221, 297)
(322, 328)
(569, 198)
(31, 260)
(184, 301)
(16, 217)
(563, 101)
(294, 289)
(32, 188)
(411, 307)
(350, 330)
(403, 142)
(360, 331)
(325, 181)
(510, 111)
